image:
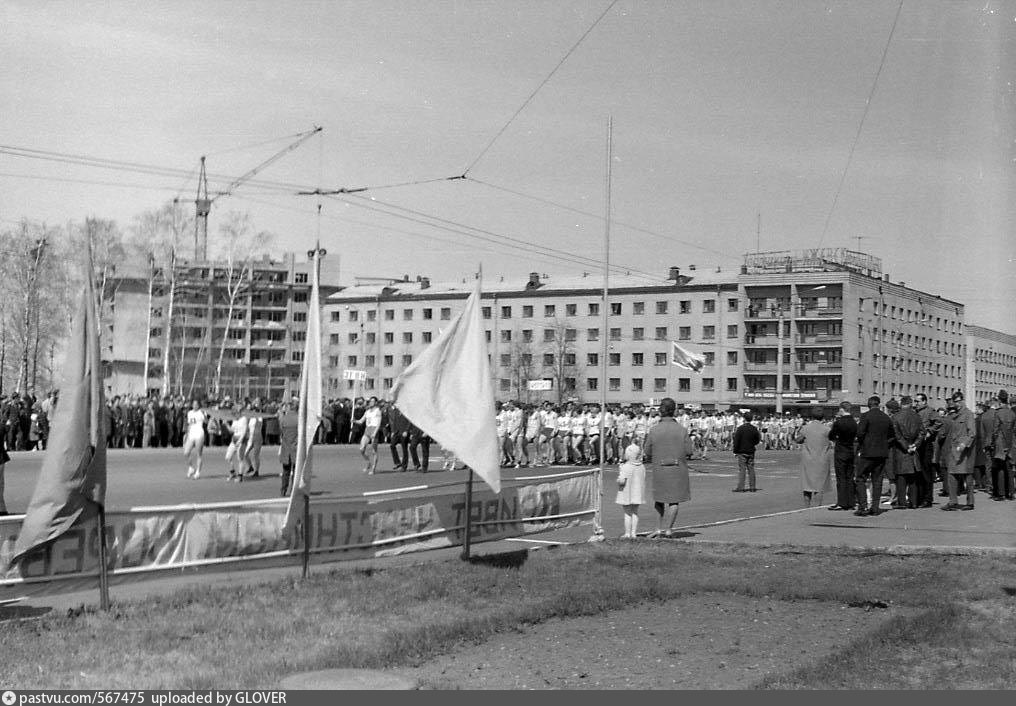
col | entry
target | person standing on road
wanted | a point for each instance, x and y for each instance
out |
(843, 433)
(371, 429)
(668, 448)
(195, 441)
(746, 439)
(398, 425)
(907, 434)
(236, 452)
(255, 439)
(631, 482)
(289, 427)
(930, 424)
(814, 440)
(958, 451)
(874, 434)
(1002, 444)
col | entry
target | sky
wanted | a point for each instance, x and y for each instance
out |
(736, 125)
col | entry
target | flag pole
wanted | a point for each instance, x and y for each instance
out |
(103, 568)
(468, 539)
(598, 515)
(306, 535)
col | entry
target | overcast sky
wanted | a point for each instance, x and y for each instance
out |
(722, 110)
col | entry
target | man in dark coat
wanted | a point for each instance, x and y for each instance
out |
(930, 425)
(907, 434)
(419, 448)
(842, 434)
(958, 451)
(398, 437)
(343, 417)
(289, 429)
(746, 438)
(668, 448)
(874, 435)
(1003, 439)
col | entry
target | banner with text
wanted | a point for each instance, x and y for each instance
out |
(142, 543)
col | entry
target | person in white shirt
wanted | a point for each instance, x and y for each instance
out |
(578, 432)
(236, 453)
(593, 434)
(371, 427)
(529, 440)
(513, 430)
(562, 439)
(255, 422)
(194, 443)
(548, 428)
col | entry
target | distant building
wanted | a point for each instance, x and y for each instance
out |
(848, 332)
(991, 363)
(265, 338)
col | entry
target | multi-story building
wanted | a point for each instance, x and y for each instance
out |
(991, 363)
(155, 342)
(847, 332)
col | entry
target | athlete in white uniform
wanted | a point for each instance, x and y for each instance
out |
(562, 437)
(236, 453)
(195, 440)
(548, 427)
(254, 441)
(371, 427)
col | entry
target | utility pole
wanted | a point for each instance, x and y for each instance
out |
(169, 323)
(779, 363)
(33, 275)
(148, 328)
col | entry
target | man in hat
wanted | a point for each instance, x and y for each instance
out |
(930, 423)
(907, 434)
(874, 435)
(1002, 442)
(959, 452)
(842, 434)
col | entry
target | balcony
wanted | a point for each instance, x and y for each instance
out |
(818, 312)
(818, 339)
(767, 367)
(819, 368)
(762, 339)
(766, 313)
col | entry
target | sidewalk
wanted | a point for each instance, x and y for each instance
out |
(988, 529)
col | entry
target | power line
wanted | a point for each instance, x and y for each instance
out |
(537, 89)
(860, 125)
(359, 189)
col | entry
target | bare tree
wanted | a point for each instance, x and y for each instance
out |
(240, 245)
(561, 346)
(520, 367)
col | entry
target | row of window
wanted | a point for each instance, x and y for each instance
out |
(994, 378)
(983, 355)
(244, 354)
(910, 365)
(550, 335)
(637, 384)
(912, 316)
(902, 340)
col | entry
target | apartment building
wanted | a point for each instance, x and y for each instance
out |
(990, 364)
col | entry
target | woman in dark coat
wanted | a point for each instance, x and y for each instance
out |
(667, 450)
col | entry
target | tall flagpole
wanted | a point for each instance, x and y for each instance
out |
(604, 314)
(467, 540)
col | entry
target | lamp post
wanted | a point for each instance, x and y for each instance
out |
(268, 377)
(779, 362)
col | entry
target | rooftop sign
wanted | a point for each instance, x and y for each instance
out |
(812, 259)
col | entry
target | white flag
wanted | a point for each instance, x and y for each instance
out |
(447, 393)
(309, 411)
(686, 359)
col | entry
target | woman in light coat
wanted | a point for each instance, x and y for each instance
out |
(631, 483)
(816, 452)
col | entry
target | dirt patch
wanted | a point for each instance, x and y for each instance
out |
(708, 641)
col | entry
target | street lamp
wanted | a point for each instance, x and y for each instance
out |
(268, 378)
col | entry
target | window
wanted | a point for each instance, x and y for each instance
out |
(638, 308)
(661, 359)
(571, 309)
(732, 331)
(592, 334)
(661, 307)
(371, 315)
(548, 359)
(569, 359)
(684, 384)
(527, 312)
(710, 358)
(708, 332)
(636, 384)
(297, 316)
(549, 335)
(638, 334)
(685, 306)
(236, 334)
(368, 384)
(594, 309)
(504, 384)
(506, 313)
(354, 315)
(661, 333)
(353, 338)
(637, 358)
(732, 304)
(427, 336)
(371, 338)
(486, 312)
(350, 361)
(333, 339)
(506, 360)
(614, 384)
(389, 314)
(549, 310)
(731, 384)
(592, 359)
(731, 357)
(386, 383)
(527, 335)
(684, 333)
(406, 361)
(446, 313)
(615, 309)
(370, 361)
(333, 361)
(708, 306)
(297, 297)
(615, 334)
(297, 336)
(389, 337)
(571, 334)
(299, 278)
(707, 384)
(407, 336)
(506, 337)
(157, 353)
(659, 384)
(297, 356)
(389, 360)
(613, 359)
(591, 384)
(527, 359)
(569, 384)
(486, 336)
(336, 316)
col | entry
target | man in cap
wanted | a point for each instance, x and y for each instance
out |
(958, 451)
(930, 425)
(874, 435)
(1003, 440)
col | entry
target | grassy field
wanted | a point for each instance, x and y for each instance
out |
(961, 631)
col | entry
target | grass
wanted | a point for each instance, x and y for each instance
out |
(252, 636)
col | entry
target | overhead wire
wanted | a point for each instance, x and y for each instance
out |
(542, 83)
(860, 125)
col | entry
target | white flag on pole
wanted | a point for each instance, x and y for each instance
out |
(686, 359)
(447, 392)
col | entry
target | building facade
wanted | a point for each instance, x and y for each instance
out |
(806, 328)
(991, 363)
(253, 322)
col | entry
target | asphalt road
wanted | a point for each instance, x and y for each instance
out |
(145, 477)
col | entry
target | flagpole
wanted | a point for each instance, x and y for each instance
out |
(468, 539)
(103, 568)
(604, 314)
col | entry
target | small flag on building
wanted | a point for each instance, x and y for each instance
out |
(686, 359)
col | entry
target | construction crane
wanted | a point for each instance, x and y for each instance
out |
(203, 202)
